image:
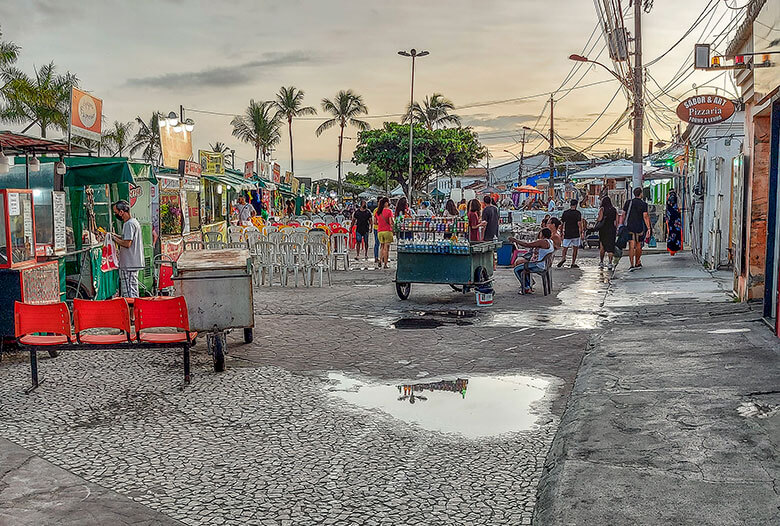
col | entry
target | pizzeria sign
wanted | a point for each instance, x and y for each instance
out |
(705, 109)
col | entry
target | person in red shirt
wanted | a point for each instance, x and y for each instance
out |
(475, 224)
(384, 227)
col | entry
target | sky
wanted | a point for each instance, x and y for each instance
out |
(146, 56)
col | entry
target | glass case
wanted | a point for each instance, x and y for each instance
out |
(17, 228)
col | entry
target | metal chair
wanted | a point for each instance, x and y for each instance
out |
(339, 250)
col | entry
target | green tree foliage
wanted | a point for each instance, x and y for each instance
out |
(445, 152)
(224, 149)
(259, 126)
(118, 138)
(433, 113)
(147, 139)
(374, 176)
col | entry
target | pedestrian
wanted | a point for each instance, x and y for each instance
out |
(636, 221)
(673, 224)
(362, 219)
(551, 205)
(490, 217)
(424, 211)
(245, 211)
(475, 224)
(131, 249)
(540, 248)
(450, 210)
(572, 233)
(384, 219)
(462, 207)
(376, 233)
(606, 224)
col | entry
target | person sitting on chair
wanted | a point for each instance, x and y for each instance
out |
(533, 261)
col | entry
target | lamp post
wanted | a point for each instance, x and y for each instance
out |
(413, 53)
(636, 93)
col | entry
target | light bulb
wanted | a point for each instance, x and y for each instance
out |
(4, 168)
(177, 129)
(173, 120)
(60, 168)
(35, 164)
(6, 160)
(189, 125)
(219, 189)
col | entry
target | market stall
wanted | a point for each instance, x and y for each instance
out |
(180, 208)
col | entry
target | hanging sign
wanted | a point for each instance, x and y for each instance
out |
(85, 115)
(705, 109)
(13, 204)
(277, 170)
(190, 168)
(249, 167)
(211, 163)
(59, 211)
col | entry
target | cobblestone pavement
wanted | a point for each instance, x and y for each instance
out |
(266, 443)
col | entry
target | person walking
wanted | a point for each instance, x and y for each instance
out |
(673, 224)
(362, 219)
(572, 233)
(376, 233)
(245, 211)
(131, 249)
(607, 223)
(475, 224)
(490, 218)
(636, 220)
(384, 220)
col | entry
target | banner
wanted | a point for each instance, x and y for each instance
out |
(265, 170)
(211, 163)
(249, 167)
(288, 177)
(277, 169)
(85, 115)
(176, 145)
(294, 185)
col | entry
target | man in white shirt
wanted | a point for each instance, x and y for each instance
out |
(245, 212)
(131, 249)
(551, 205)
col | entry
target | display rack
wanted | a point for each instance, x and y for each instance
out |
(433, 235)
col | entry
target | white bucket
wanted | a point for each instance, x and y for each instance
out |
(484, 299)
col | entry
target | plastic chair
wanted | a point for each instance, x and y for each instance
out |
(235, 233)
(328, 219)
(546, 274)
(212, 237)
(307, 223)
(291, 258)
(317, 236)
(317, 259)
(216, 245)
(339, 249)
(303, 229)
(105, 314)
(297, 237)
(268, 230)
(238, 244)
(42, 324)
(264, 262)
(193, 245)
(277, 238)
(163, 269)
(163, 312)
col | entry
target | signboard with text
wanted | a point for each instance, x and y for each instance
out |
(249, 167)
(211, 163)
(705, 109)
(190, 168)
(277, 171)
(86, 114)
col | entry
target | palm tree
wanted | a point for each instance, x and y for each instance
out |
(9, 52)
(43, 99)
(224, 149)
(259, 126)
(345, 108)
(118, 137)
(434, 112)
(148, 138)
(289, 103)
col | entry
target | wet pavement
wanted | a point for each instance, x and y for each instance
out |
(306, 425)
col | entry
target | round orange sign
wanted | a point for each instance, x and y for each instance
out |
(705, 109)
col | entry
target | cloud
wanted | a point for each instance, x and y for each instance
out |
(484, 122)
(223, 75)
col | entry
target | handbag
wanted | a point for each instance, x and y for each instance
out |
(109, 260)
(623, 235)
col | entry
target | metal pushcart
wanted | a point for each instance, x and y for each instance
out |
(217, 285)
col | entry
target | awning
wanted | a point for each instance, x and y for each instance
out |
(13, 142)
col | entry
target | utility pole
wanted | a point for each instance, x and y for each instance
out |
(636, 179)
(522, 156)
(413, 53)
(552, 148)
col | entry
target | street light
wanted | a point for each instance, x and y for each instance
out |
(413, 53)
(580, 58)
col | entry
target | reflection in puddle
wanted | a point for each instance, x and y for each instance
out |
(480, 406)
(436, 318)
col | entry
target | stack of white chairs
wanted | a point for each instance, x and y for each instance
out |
(264, 262)
(292, 259)
(317, 260)
(235, 233)
(339, 250)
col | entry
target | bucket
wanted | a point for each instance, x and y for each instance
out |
(484, 299)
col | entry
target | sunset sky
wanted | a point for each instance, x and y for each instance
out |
(144, 56)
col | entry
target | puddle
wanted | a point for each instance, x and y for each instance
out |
(480, 406)
(728, 331)
(433, 319)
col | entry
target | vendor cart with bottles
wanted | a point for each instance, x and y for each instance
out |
(437, 250)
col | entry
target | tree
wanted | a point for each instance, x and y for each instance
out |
(259, 126)
(224, 149)
(345, 108)
(9, 53)
(434, 112)
(42, 99)
(374, 176)
(289, 104)
(118, 137)
(147, 138)
(436, 152)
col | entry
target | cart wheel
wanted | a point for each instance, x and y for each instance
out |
(218, 353)
(480, 275)
(403, 290)
(54, 354)
(249, 334)
(456, 288)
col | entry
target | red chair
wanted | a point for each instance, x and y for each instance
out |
(163, 312)
(106, 314)
(42, 324)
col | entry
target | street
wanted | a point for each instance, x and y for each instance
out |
(306, 425)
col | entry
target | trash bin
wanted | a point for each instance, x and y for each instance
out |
(505, 254)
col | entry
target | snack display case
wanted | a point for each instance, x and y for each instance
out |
(21, 277)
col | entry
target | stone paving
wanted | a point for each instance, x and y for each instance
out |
(265, 442)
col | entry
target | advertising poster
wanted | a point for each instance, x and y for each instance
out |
(176, 145)
(85, 115)
(211, 163)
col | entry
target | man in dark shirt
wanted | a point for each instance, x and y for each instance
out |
(490, 216)
(637, 221)
(572, 233)
(362, 219)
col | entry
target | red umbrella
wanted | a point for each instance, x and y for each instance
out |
(527, 189)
